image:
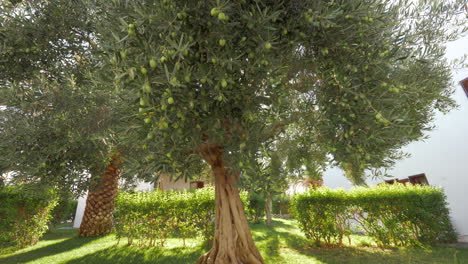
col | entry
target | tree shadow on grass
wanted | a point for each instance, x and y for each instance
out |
(291, 239)
(284, 223)
(271, 240)
(271, 250)
(337, 255)
(277, 223)
(129, 254)
(268, 240)
(359, 255)
(59, 234)
(50, 250)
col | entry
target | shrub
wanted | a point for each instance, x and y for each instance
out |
(256, 208)
(323, 215)
(392, 215)
(64, 211)
(24, 213)
(149, 218)
(402, 215)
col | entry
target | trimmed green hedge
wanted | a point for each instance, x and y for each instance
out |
(24, 213)
(149, 218)
(393, 215)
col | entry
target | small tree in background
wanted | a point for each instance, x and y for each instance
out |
(267, 179)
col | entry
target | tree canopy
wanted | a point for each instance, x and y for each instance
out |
(55, 122)
(217, 80)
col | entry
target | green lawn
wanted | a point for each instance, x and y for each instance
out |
(283, 244)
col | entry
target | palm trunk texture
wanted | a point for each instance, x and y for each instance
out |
(97, 219)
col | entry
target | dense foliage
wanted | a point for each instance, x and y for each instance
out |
(281, 205)
(55, 123)
(393, 215)
(65, 210)
(267, 178)
(256, 209)
(216, 80)
(238, 74)
(149, 218)
(24, 213)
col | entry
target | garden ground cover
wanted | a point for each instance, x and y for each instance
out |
(284, 244)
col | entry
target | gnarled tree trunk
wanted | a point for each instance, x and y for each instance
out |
(233, 241)
(97, 219)
(268, 204)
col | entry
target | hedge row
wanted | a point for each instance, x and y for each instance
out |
(150, 218)
(24, 213)
(393, 215)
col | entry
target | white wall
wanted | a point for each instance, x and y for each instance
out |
(80, 211)
(443, 157)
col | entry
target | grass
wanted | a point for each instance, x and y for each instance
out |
(284, 244)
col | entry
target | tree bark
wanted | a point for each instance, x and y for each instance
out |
(98, 214)
(233, 241)
(268, 204)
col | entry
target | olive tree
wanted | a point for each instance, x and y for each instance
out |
(216, 79)
(55, 130)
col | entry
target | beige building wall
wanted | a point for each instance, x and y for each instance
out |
(166, 184)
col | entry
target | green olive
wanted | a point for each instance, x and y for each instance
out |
(222, 42)
(147, 88)
(152, 63)
(224, 83)
(214, 11)
(221, 16)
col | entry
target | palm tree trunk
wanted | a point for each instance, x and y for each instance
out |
(98, 215)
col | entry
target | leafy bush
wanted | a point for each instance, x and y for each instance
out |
(403, 215)
(24, 213)
(149, 218)
(323, 215)
(256, 208)
(64, 211)
(393, 215)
